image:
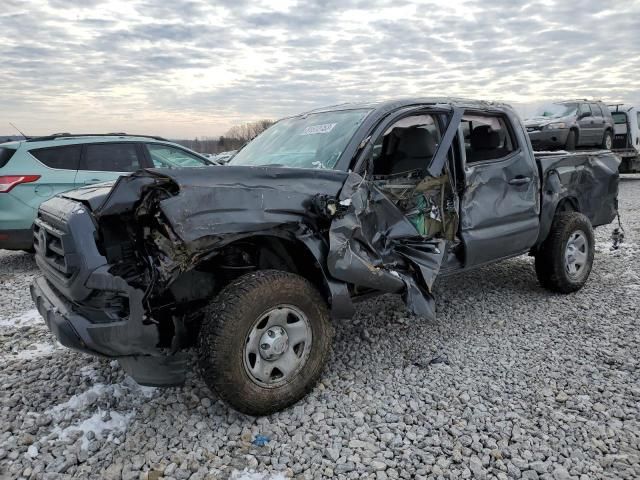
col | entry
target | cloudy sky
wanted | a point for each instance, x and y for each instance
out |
(186, 68)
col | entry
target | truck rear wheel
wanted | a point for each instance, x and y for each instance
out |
(264, 341)
(564, 260)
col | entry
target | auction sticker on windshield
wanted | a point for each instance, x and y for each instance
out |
(316, 129)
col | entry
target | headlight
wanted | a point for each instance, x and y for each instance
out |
(555, 126)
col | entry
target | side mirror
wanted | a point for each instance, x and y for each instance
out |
(583, 115)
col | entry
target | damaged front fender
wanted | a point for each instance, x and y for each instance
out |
(374, 245)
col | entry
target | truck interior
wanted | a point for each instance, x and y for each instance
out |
(402, 154)
(486, 138)
(400, 160)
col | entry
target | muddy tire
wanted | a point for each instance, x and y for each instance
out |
(607, 140)
(572, 140)
(264, 341)
(564, 260)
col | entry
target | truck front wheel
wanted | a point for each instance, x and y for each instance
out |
(564, 260)
(264, 341)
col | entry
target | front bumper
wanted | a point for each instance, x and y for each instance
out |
(110, 340)
(89, 309)
(71, 329)
(541, 139)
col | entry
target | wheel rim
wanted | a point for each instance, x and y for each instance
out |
(575, 254)
(277, 346)
(608, 142)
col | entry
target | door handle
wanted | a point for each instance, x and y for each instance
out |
(93, 180)
(519, 180)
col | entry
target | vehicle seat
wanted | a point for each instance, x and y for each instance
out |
(414, 150)
(485, 144)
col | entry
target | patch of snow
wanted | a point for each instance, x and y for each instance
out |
(31, 317)
(134, 387)
(90, 372)
(38, 350)
(32, 451)
(90, 396)
(253, 475)
(117, 423)
(87, 403)
(625, 249)
(83, 400)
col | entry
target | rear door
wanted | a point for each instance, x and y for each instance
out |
(50, 170)
(101, 162)
(586, 123)
(499, 211)
(57, 169)
(598, 122)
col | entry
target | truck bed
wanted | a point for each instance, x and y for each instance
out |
(583, 181)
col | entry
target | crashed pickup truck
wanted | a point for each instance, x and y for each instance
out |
(250, 262)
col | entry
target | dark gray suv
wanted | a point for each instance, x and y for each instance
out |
(570, 124)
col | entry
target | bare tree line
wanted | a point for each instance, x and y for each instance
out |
(235, 138)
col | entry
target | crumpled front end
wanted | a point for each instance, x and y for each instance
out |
(85, 304)
(126, 274)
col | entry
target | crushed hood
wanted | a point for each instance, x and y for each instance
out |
(371, 242)
(92, 195)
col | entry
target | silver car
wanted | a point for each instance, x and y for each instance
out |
(571, 124)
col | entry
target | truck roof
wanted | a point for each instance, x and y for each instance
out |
(388, 105)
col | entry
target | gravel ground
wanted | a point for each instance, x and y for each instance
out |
(510, 381)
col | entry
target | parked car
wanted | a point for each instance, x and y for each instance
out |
(626, 139)
(251, 260)
(571, 124)
(224, 157)
(36, 169)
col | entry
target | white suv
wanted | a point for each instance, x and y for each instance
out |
(626, 138)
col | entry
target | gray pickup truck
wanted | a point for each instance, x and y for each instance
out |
(249, 262)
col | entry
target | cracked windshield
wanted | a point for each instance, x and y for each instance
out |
(311, 141)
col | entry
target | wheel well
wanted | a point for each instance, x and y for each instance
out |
(568, 204)
(267, 252)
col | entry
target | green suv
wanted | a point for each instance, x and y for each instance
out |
(36, 169)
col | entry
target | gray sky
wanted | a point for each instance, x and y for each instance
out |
(189, 68)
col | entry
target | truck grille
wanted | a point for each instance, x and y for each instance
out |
(54, 246)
